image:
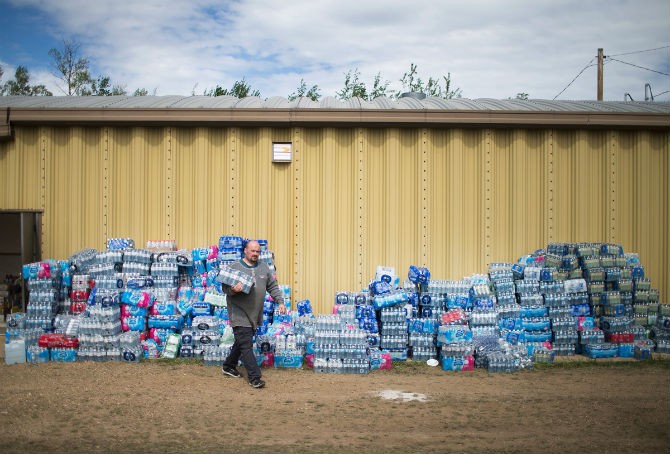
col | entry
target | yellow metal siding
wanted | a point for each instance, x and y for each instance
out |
(328, 243)
(136, 192)
(393, 199)
(203, 185)
(73, 208)
(453, 200)
(456, 184)
(264, 199)
(20, 171)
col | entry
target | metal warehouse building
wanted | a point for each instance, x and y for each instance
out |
(340, 187)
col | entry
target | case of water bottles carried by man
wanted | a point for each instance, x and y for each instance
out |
(128, 304)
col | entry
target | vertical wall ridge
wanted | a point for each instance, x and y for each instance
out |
(425, 198)
(233, 196)
(298, 211)
(611, 185)
(105, 187)
(361, 207)
(549, 179)
(489, 212)
(169, 186)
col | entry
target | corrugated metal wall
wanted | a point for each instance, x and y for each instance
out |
(352, 199)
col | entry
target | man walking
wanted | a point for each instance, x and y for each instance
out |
(245, 311)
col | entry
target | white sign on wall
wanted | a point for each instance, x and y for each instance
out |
(282, 152)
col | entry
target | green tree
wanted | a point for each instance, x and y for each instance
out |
(241, 89)
(20, 85)
(522, 96)
(141, 92)
(71, 68)
(353, 86)
(103, 87)
(433, 87)
(312, 93)
(379, 88)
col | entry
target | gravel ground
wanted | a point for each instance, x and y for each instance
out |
(576, 405)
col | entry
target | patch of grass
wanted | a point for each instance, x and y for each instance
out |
(645, 364)
(174, 362)
(409, 367)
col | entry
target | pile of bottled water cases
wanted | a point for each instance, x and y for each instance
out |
(126, 304)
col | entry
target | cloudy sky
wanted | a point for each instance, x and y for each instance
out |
(491, 48)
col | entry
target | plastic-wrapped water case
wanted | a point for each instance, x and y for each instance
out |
(60, 354)
(137, 298)
(230, 276)
(605, 350)
(36, 354)
(447, 334)
(626, 350)
(132, 353)
(288, 358)
(611, 249)
(120, 243)
(452, 363)
(544, 356)
(15, 351)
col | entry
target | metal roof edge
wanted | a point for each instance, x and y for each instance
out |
(334, 116)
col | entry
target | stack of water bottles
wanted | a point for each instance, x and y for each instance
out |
(304, 324)
(230, 249)
(44, 282)
(289, 350)
(660, 332)
(367, 320)
(506, 357)
(509, 311)
(458, 294)
(99, 324)
(275, 313)
(617, 327)
(533, 325)
(339, 348)
(454, 338)
(99, 330)
(484, 316)
(164, 319)
(266, 255)
(484, 324)
(423, 327)
(501, 278)
(80, 289)
(47, 288)
(15, 342)
(393, 331)
(645, 310)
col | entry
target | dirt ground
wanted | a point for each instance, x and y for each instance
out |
(183, 406)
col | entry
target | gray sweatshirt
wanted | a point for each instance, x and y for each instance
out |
(247, 309)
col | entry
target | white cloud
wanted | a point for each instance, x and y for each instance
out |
(491, 48)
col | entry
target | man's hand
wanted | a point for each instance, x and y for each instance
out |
(237, 288)
(283, 309)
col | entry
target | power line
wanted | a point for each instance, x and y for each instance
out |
(639, 51)
(637, 66)
(588, 65)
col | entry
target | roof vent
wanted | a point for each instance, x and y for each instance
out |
(414, 95)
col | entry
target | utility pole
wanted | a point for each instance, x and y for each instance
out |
(600, 74)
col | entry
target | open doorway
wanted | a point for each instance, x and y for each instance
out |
(20, 243)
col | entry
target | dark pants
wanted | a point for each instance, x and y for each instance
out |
(243, 349)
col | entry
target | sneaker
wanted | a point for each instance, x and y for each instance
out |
(231, 372)
(257, 383)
